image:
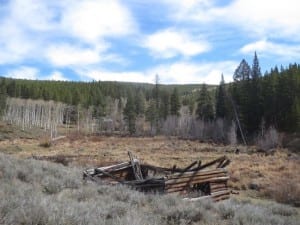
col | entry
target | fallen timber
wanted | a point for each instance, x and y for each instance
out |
(194, 182)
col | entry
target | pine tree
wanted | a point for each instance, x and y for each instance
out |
(152, 114)
(2, 96)
(139, 101)
(130, 114)
(255, 72)
(175, 103)
(242, 72)
(205, 110)
(221, 106)
(256, 101)
(164, 105)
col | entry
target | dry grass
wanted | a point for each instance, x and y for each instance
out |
(252, 174)
(45, 193)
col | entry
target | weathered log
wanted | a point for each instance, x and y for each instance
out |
(196, 173)
(198, 179)
(135, 167)
(98, 170)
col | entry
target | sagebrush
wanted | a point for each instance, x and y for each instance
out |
(39, 192)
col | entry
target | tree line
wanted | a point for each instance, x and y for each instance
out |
(245, 107)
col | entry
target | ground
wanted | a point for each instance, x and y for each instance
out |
(252, 173)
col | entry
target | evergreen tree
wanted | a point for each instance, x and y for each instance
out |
(255, 72)
(130, 114)
(221, 106)
(255, 106)
(139, 102)
(242, 72)
(152, 114)
(205, 110)
(2, 96)
(175, 103)
(164, 105)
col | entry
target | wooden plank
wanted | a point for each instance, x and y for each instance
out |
(212, 162)
(109, 175)
(190, 183)
(219, 193)
(189, 166)
(218, 189)
(194, 178)
(220, 198)
(177, 189)
(198, 198)
(135, 167)
(221, 185)
(224, 163)
(195, 173)
(119, 166)
(198, 179)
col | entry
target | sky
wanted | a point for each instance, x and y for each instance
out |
(181, 41)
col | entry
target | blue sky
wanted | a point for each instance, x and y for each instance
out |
(183, 41)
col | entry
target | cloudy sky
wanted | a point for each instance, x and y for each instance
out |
(183, 41)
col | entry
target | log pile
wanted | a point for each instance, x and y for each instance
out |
(195, 182)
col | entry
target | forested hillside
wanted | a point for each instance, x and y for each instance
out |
(243, 109)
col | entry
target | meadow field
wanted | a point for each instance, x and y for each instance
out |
(41, 182)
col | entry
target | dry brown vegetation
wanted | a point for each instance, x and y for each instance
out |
(45, 193)
(253, 173)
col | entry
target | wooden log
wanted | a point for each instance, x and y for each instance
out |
(119, 166)
(218, 189)
(211, 163)
(198, 198)
(135, 167)
(198, 179)
(219, 193)
(189, 166)
(186, 185)
(224, 163)
(176, 189)
(192, 178)
(220, 198)
(108, 174)
(221, 185)
(195, 173)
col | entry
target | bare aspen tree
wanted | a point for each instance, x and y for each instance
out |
(34, 113)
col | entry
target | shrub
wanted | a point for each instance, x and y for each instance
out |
(286, 191)
(269, 140)
(54, 194)
(45, 142)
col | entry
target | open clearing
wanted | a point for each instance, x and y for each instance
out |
(252, 173)
(49, 193)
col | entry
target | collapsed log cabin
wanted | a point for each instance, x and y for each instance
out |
(194, 182)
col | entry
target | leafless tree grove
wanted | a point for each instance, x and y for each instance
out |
(28, 113)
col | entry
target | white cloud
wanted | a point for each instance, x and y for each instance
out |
(104, 75)
(185, 72)
(28, 26)
(67, 55)
(15, 45)
(92, 20)
(24, 72)
(266, 18)
(271, 48)
(34, 14)
(56, 75)
(175, 73)
(170, 43)
(198, 10)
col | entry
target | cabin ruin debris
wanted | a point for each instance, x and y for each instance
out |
(195, 182)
